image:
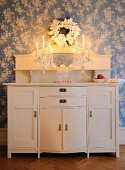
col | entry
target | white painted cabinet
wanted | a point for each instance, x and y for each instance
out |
(102, 119)
(22, 119)
(63, 130)
(63, 119)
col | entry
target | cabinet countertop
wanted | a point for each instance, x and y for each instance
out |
(61, 84)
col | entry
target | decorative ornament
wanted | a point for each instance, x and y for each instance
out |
(65, 32)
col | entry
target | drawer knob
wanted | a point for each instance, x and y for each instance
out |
(62, 90)
(62, 101)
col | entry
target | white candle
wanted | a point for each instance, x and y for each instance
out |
(43, 42)
(89, 45)
(83, 41)
(76, 43)
(36, 49)
(49, 47)
(76, 46)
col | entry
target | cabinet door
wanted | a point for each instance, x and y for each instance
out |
(23, 117)
(102, 117)
(74, 128)
(51, 129)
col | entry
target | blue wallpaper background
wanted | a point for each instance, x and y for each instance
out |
(22, 23)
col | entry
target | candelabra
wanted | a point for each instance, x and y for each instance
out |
(86, 60)
(81, 58)
(44, 61)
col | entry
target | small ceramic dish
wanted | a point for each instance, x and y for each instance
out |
(99, 80)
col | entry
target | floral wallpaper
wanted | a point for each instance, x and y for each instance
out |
(23, 22)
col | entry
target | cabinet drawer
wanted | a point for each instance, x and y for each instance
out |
(62, 91)
(62, 101)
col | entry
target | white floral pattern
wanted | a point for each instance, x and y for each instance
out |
(22, 23)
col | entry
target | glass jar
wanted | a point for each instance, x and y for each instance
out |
(63, 73)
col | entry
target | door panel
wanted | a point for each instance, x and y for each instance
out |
(101, 97)
(24, 126)
(51, 129)
(102, 119)
(74, 128)
(25, 97)
(102, 128)
(23, 116)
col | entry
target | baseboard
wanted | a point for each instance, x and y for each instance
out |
(122, 135)
(3, 136)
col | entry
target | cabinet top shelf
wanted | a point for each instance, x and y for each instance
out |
(55, 69)
(54, 49)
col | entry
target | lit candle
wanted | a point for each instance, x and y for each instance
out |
(76, 46)
(43, 42)
(89, 45)
(83, 41)
(36, 49)
(76, 43)
(49, 47)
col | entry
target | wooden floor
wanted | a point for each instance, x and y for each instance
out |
(62, 161)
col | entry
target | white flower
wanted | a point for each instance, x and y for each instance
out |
(70, 38)
(64, 32)
(60, 40)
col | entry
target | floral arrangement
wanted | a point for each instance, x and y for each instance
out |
(64, 32)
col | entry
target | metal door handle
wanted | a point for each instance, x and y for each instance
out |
(66, 127)
(35, 113)
(90, 114)
(59, 127)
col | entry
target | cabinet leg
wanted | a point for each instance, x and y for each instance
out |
(117, 154)
(38, 155)
(87, 154)
(9, 154)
